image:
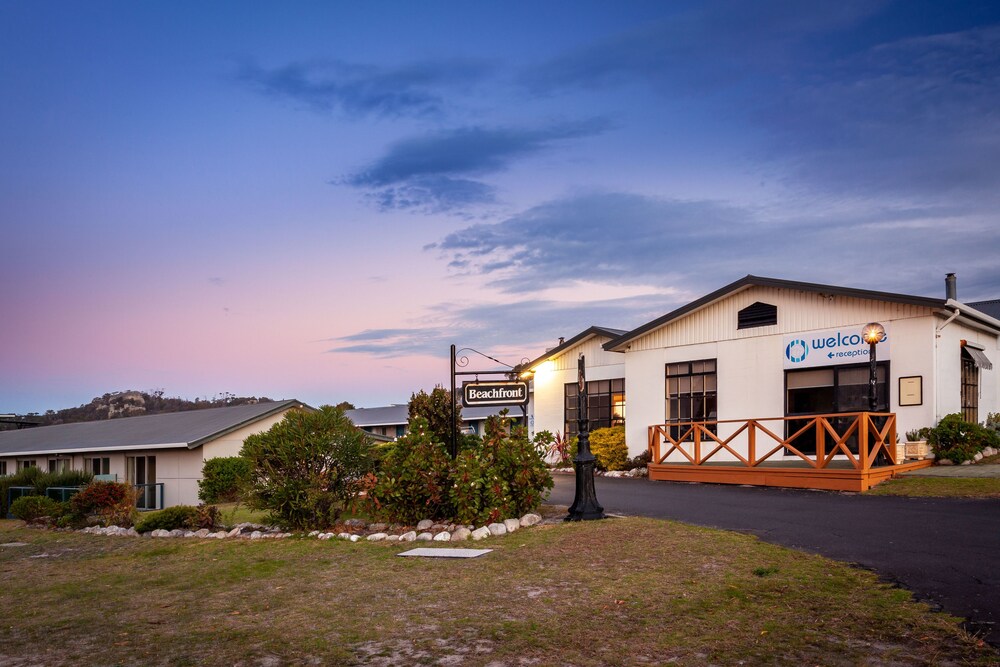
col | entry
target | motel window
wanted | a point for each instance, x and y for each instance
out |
(98, 465)
(605, 404)
(691, 394)
(24, 464)
(970, 389)
(58, 465)
(3, 467)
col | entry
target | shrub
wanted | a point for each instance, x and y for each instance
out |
(171, 518)
(640, 460)
(918, 434)
(224, 479)
(608, 447)
(40, 481)
(436, 409)
(33, 509)
(113, 503)
(959, 440)
(306, 468)
(414, 478)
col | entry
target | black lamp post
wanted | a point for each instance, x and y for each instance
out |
(585, 506)
(873, 334)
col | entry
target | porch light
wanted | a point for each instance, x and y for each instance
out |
(873, 333)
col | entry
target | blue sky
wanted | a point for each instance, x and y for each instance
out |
(315, 200)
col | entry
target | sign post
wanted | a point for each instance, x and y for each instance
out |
(485, 393)
(585, 506)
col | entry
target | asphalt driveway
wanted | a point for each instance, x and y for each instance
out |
(947, 551)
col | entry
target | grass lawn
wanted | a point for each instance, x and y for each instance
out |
(617, 592)
(939, 487)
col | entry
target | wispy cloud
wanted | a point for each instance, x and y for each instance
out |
(362, 90)
(523, 328)
(618, 238)
(438, 172)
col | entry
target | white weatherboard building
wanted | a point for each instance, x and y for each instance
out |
(767, 348)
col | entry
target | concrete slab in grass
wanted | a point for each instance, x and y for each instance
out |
(445, 553)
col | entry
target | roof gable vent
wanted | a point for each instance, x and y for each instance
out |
(757, 314)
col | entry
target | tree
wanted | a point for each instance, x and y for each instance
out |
(306, 468)
(346, 405)
(435, 407)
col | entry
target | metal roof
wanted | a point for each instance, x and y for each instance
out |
(172, 429)
(991, 307)
(759, 281)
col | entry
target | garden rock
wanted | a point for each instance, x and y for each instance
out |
(946, 462)
(202, 532)
(497, 529)
(530, 519)
(511, 525)
(377, 537)
(425, 524)
(256, 535)
(392, 538)
(461, 534)
(443, 536)
(978, 456)
(355, 538)
(408, 537)
(425, 537)
(176, 532)
(480, 533)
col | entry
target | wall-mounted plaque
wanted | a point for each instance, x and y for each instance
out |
(911, 390)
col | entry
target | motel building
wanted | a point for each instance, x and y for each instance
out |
(162, 454)
(766, 381)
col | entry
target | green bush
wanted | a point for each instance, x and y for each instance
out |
(40, 481)
(308, 467)
(958, 440)
(172, 518)
(501, 476)
(414, 477)
(224, 479)
(33, 509)
(608, 447)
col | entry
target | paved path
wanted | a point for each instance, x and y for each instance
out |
(947, 551)
(985, 470)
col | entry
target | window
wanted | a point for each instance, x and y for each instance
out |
(970, 389)
(58, 465)
(98, 465)
(24, 464)
(3, 467)
(605, 404)
(691, 393)
(757, 315)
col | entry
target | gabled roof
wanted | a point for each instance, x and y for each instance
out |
(758, 281)
(576, 340)
(173, 429)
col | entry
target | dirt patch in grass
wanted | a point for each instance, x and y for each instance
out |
(939, 487)
(618, 592)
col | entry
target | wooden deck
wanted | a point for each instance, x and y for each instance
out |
(792, 474)
(842, 452)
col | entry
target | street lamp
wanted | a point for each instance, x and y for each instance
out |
(585, 506)
(873, 334)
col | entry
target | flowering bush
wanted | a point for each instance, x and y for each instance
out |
(113, 503)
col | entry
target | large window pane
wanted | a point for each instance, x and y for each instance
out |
(605, 404)
(691, 394)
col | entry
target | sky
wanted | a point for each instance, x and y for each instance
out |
(314, 200)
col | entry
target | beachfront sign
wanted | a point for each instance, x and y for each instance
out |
(833, 347)
(497, 393)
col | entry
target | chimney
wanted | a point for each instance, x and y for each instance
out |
(562, 340)
(950, 287)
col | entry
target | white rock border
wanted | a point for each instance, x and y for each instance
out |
(430, 531)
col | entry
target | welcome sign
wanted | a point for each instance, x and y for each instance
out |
(833, 347)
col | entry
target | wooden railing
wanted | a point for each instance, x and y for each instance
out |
(873, 432)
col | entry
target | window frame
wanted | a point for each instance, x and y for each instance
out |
(615, 407)
(707, 396)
